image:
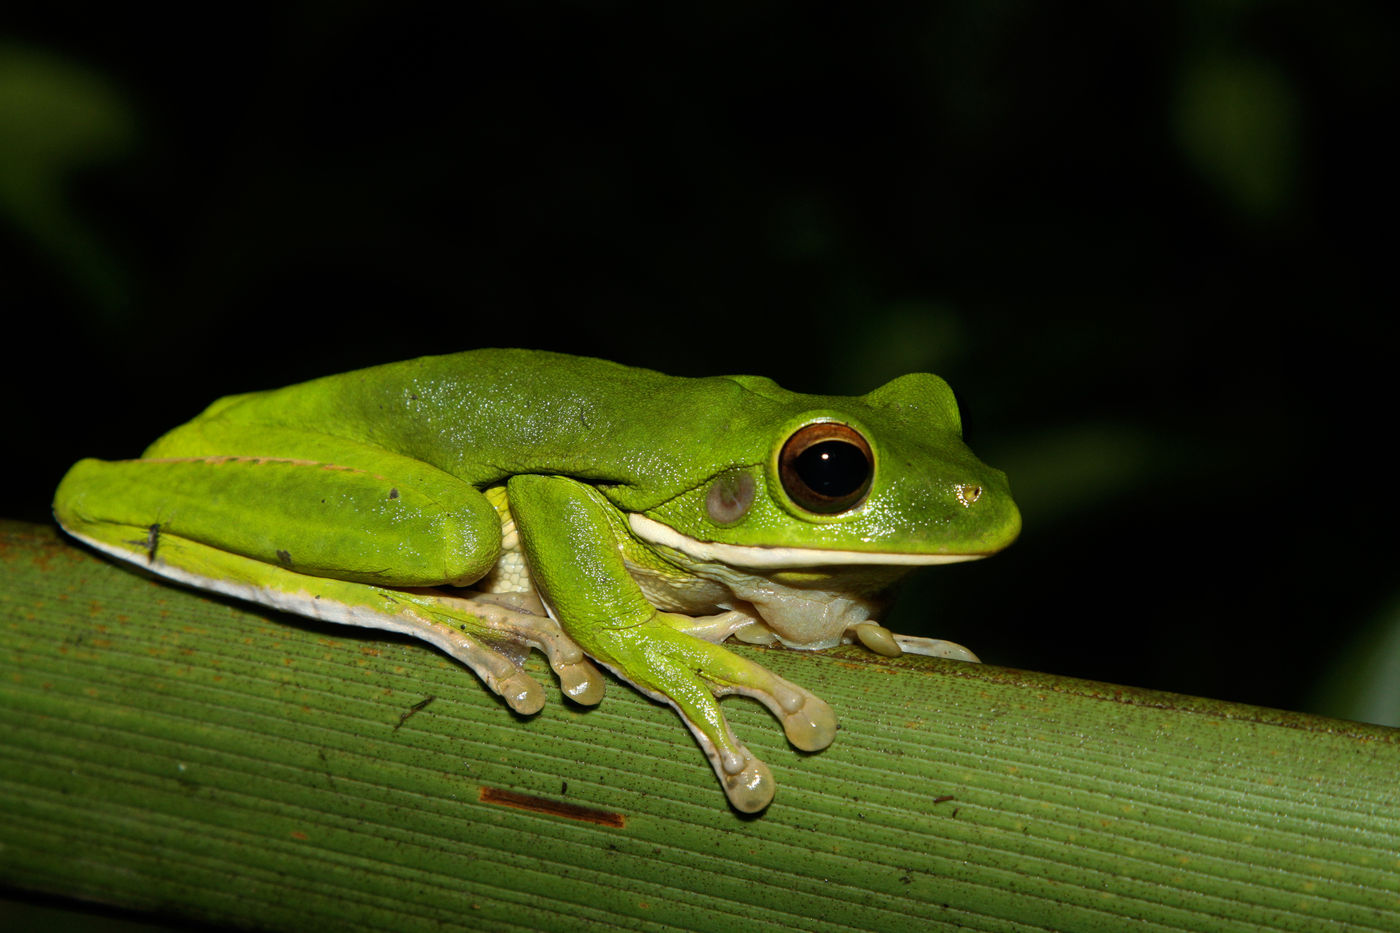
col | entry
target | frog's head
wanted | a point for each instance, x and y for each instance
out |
(882, 480)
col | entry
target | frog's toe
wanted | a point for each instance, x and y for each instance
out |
(521, 692)
(882, 641)
(691, 675)
(878, 639)
(501, 672)
(751, 787)
(808, 721)
(494, 639)
(746, 780)
(935, 648)
(739, 624)
(581, 681)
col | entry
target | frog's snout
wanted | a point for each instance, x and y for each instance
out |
(987, 505)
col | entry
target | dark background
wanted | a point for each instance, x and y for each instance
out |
(1149, 245)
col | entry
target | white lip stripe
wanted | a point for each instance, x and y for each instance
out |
(773, 558)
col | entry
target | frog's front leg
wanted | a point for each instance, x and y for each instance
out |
(570, 534)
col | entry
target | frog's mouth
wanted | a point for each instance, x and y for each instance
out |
(776, 558)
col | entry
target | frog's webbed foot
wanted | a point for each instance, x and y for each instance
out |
(882, 641)
(675, 667)
(493, 636)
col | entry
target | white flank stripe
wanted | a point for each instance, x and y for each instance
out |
(774, 558)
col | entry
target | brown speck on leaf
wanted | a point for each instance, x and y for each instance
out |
(568, 811)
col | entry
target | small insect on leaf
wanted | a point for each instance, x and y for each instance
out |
(416, 707)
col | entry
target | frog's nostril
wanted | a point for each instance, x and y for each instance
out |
(968, 494)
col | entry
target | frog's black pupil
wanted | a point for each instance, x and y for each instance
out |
(833, 468)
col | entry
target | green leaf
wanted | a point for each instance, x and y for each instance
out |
(208, 762)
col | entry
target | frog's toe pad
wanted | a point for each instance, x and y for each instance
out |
(878, 639)
(521, 693)
(808, 721)
(746, 780)
(581, 682)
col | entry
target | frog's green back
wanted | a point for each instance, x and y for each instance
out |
(640, 436)
(485, 415)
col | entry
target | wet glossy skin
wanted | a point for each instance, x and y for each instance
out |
(597, 512)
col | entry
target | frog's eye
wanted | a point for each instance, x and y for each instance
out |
(826, 467)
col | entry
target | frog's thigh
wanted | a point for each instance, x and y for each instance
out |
(403, 523)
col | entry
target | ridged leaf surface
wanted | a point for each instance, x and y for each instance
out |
(206, 761)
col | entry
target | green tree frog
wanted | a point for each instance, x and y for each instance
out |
(496, 501)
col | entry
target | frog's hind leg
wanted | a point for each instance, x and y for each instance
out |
(490, 638)
(331, 543)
